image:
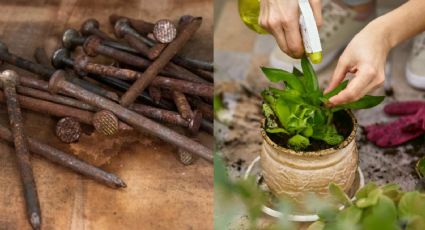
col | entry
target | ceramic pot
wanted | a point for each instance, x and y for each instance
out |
(294, 174)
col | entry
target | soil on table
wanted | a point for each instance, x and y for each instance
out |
(342, 122)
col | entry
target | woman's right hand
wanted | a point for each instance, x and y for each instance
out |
(281, 19)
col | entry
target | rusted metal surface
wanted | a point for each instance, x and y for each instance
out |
(91, 27)
(93, 46)
(54, 98)
(68, 130)
(139, 122)
(200, 89)
(185, 157)
(141, 26)
(155, 94)
(82, 64)
(144, 28)
(71, 38)
(169, 117)
(46, 71)
(164, 31)
(152, 71)
(58, 110)
(156, 50)
(106, 122)
(67, 160)
(122, 86)
(206, 109)
(9, 80)
(122, 29)
(182, 104)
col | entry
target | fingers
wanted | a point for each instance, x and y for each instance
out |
(316, 6)
(294, 40)
(279, 35)
(339, 74)
(283, 22)
(366, 80)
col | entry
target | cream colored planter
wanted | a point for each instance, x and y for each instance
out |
(294, 174)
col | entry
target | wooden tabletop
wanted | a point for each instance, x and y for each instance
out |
(161, 192)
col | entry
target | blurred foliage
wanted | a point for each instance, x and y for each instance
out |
(373, 207)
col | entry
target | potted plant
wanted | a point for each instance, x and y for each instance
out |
(307, 145)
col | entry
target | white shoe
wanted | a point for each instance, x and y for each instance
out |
(339, 27)
(415, 66)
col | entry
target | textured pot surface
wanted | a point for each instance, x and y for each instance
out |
(294, 174)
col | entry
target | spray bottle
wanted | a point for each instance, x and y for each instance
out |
(249, 11)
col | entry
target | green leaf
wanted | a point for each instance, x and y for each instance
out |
(411, 204)
(382, 215)
(393, 191)
(310, 79)
(288, 95)
(283, 112)
(328, 134)
(412, 209)
(337, 89)
(371, 199)
(276, 130)
(339, 195)
(364, 192)
(420, 167)
(363, 103)
(297, 72)
(276, 75)
(298, 142)
(351, 214)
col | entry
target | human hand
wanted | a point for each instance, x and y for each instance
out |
(281, 19)
(365, 57)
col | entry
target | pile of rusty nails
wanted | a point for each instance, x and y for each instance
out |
(172, 89)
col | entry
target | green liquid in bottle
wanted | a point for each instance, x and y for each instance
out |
(249, 11)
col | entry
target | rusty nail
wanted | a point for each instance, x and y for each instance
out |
(58, 83)
(164, 31)
(6, 56)
(46, 71)
(68, 130)
(182, 104)
(54, 98)
(105, 122)
(71, 38)
(122, 86)
(58, 110)
(67, 160)
(91, 27)
(93, 46)
(170, 117)
(9, 81)
(82, 64)
(122, 29)
(133, 28)
(140, 84)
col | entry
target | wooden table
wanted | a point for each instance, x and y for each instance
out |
(161, 193)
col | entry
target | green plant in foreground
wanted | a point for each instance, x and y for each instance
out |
(298, 109)
(383, 208)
